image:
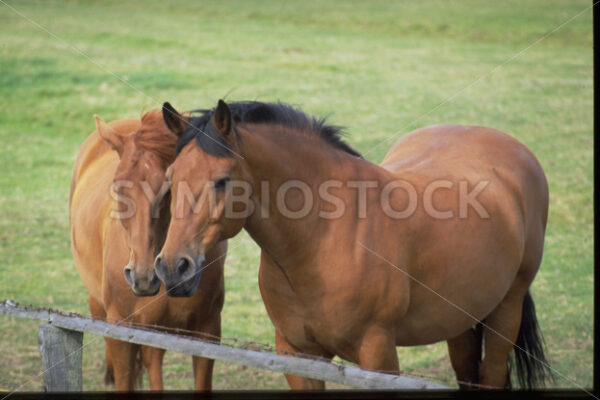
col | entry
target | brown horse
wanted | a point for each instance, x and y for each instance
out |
(115, 237)
(358, 258)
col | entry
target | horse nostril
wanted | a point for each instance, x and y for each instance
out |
(155, 278)
(128, 271)
(183, 265)
(160, 268)
(157, 263)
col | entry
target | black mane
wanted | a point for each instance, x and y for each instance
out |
(257, 112)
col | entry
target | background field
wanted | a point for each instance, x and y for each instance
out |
(380, 68)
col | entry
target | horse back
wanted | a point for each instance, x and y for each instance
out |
(474, 153)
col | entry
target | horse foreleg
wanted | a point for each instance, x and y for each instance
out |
(377, 351)
(501, 331)
(203, 367)
(123, 358)
(97, 311)
(153, 360)
(465, 356)
(294, 381)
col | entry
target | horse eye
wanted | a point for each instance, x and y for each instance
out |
(221, 183)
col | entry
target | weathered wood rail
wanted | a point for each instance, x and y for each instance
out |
(61, 337)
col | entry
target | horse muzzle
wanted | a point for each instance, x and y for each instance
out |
(184, 278)
(142, 285)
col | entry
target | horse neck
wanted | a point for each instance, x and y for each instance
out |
(273, 158)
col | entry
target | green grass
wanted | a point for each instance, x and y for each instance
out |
(381, 68)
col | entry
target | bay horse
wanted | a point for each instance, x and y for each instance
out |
(440, 240)
(120, 169)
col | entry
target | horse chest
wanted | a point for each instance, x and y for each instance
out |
(310, 320)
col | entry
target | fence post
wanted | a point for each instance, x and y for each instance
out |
(61, 358)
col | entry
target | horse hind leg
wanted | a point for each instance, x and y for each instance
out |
(532, 368)
(465, 356)
(513, 325)
(501, 332)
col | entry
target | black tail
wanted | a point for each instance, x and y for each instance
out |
(532, 368)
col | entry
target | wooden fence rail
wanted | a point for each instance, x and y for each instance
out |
(61, 338)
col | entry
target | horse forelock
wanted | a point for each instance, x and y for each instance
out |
(206, 137)
(154, 136)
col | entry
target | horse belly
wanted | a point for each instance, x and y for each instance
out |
(462, 280)
(444, 321)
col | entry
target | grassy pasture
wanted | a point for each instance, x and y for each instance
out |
(380, 68)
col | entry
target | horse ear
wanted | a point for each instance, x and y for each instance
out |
(109, 135)
(176, 122)
(222, 119)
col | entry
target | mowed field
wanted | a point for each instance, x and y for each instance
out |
(379, 68)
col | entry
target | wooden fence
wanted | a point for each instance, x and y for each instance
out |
(61, 350)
